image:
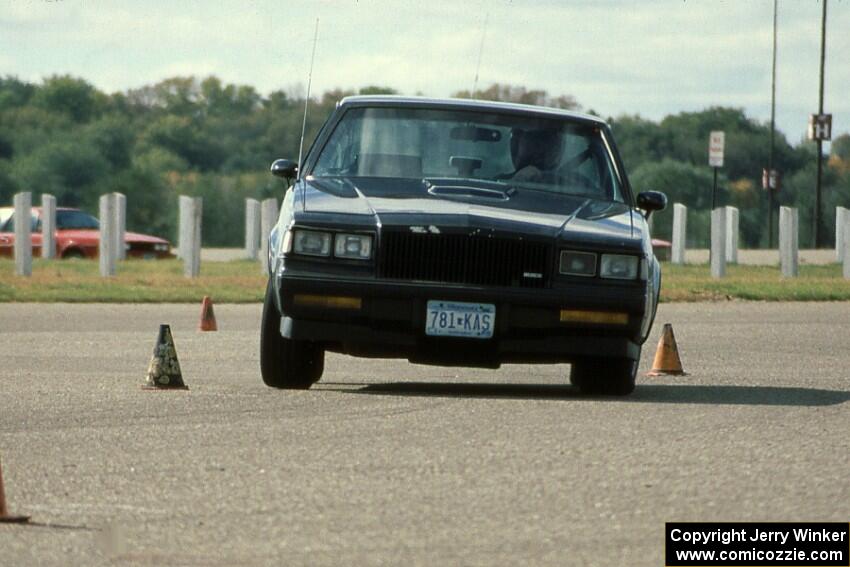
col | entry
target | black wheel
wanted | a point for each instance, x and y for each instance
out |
(73, 254)
(286, 363)
(604, 376)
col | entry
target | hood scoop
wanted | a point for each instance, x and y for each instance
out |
(467, 192)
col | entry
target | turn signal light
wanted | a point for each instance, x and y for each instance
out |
(597, 317)
(327, 301)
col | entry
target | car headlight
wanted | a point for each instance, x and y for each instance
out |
(578, 263)
(311, 243)
(161, 247)
(356, 246)
(619, 266)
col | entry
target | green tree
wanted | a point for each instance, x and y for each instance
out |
(682, 183)
(187, 139)
(841, 147)
(70, 96)
(176, 95)
(521, 95)
(113, 139)
(640, 141)
(66, 167)
(376, 90)
(202, 136)
(8, 185)
(14, 93)
(150, 206)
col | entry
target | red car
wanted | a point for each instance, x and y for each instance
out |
(662, 249)
(77, 236)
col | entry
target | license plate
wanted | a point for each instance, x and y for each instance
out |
(455, 319)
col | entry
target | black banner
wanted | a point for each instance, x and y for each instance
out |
(767, 544)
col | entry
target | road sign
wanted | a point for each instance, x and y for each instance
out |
(820, 127)
(716, 144)
(769, 179)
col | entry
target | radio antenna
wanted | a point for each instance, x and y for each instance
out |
(307, 100)
(480, 53)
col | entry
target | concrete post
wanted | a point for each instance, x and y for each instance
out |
(842, 217)
(845, 232)
(788, 241)
(23, 234)
(252, 228)
(120, 225)
(107, 251)
(718, 242)
(48, 226)
(268, 218)
(680, 230)
(192, 234)
(183, 221)
(732, 235)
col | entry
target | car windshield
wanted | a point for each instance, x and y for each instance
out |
(76, 220)
(555, 155)
(10, 224)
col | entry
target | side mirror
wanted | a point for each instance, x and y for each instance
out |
(651, 201)
(284, 168)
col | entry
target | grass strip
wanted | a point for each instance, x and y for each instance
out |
(240, 281)
(136, 281)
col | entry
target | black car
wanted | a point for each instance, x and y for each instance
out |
(463, 233)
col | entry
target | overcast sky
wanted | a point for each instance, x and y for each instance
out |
(638, 57)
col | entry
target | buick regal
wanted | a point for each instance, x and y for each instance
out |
(458, 232)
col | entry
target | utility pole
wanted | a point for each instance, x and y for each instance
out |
(818, 242)
(771, 163)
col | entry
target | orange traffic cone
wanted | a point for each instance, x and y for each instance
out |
(667, 359)
(207, 316)
(5, 517)
(164, 370)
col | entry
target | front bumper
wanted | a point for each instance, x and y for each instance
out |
(391, 321)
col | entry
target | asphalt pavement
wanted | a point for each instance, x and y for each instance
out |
(388, 463)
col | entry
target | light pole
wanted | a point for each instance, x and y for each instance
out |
(771, 162)
(820, 138)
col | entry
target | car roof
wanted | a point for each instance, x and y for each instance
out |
(467, 104)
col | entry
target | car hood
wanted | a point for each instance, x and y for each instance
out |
(143, 238)
(92, 234)
(467, 204)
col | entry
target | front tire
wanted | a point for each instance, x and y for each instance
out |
(286, 363)
(604, 376)
(73, 254)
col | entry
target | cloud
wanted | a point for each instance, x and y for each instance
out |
(651, 57)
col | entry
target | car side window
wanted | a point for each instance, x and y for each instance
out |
(67, 220)
(336, 159)
(588, 167)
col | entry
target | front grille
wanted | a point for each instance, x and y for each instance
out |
(142, 246)
(462, 259)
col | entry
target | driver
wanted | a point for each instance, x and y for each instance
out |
(536, 154)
